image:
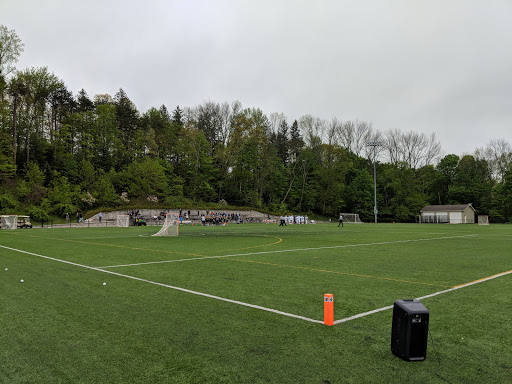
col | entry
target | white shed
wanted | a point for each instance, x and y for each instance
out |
(453, 214)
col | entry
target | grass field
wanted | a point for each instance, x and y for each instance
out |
(244, 304)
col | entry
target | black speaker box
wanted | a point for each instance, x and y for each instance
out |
(409, 332)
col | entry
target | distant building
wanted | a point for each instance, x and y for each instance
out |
(453, 214)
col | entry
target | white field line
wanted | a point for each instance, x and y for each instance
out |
(171, 287)
(360, 315)
(288, 250)
(424, 297)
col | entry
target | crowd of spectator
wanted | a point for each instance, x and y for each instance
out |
(207, 217)
(220, 218)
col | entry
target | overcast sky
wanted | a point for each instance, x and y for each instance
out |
(442, 66)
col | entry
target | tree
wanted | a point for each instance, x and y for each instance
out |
(312, 128)
(501, 203)
(157, 128)
(17, 91)
(197, 166)
(7, 165)
(62, 103)
(177, 116)
(472, 183)
(411, 148)
(32, 189)
(251, 161)
(102, 99)
(355, 135)
(401, 194)
(447, 169)
(106, 139)
(145, 178)
(296, 142)
(330, 179)
(84, 103)
(127, 118)
(105, 190)
(62, 196)
(209, 121)
(498, 154)
(358, 195)
(11, 48)
(39, 85)
(282, 144)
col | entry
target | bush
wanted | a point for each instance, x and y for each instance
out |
(7, 204)
(62, 208)
(38, 214)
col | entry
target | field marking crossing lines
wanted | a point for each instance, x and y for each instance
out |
(287, 250)
(360, 315)
(170, 286)
(424, 297)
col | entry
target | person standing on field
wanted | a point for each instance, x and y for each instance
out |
(341, 221)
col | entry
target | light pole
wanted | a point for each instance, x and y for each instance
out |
(374, 144)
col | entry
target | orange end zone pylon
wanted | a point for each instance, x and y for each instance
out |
(328, 309)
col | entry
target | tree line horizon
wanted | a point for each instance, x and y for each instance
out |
(61, 153)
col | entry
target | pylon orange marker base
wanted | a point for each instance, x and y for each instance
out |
(328, 309)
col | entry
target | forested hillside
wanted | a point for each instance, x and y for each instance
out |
(61, 152)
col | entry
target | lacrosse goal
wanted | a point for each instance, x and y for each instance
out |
(171, 225)
(9, 221)
(483, 220)
(123, 220)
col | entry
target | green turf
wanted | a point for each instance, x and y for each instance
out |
(63, 326)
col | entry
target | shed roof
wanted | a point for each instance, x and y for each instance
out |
(447, 208)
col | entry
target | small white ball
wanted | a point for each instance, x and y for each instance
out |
(21, 281)
(104, 283)
(6, 269)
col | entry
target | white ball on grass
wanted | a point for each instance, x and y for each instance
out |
(6, 269)
(104, 283)
(21, 281)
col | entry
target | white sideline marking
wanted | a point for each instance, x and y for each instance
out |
(171, 286)
(287, 250)
(424, 297)
(360, 315)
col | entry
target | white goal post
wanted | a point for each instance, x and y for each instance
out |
(9, 221)
(483, 220)
(352, 218)
(171, 225)
(123, 220)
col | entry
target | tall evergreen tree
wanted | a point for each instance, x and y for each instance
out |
(127, 118)
(296, 141)
(177, 116)
(282, 142)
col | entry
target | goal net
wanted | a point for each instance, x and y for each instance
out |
(171, 225)
(9, 221)
(351, 218)
(483, 220)
(123, 220)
